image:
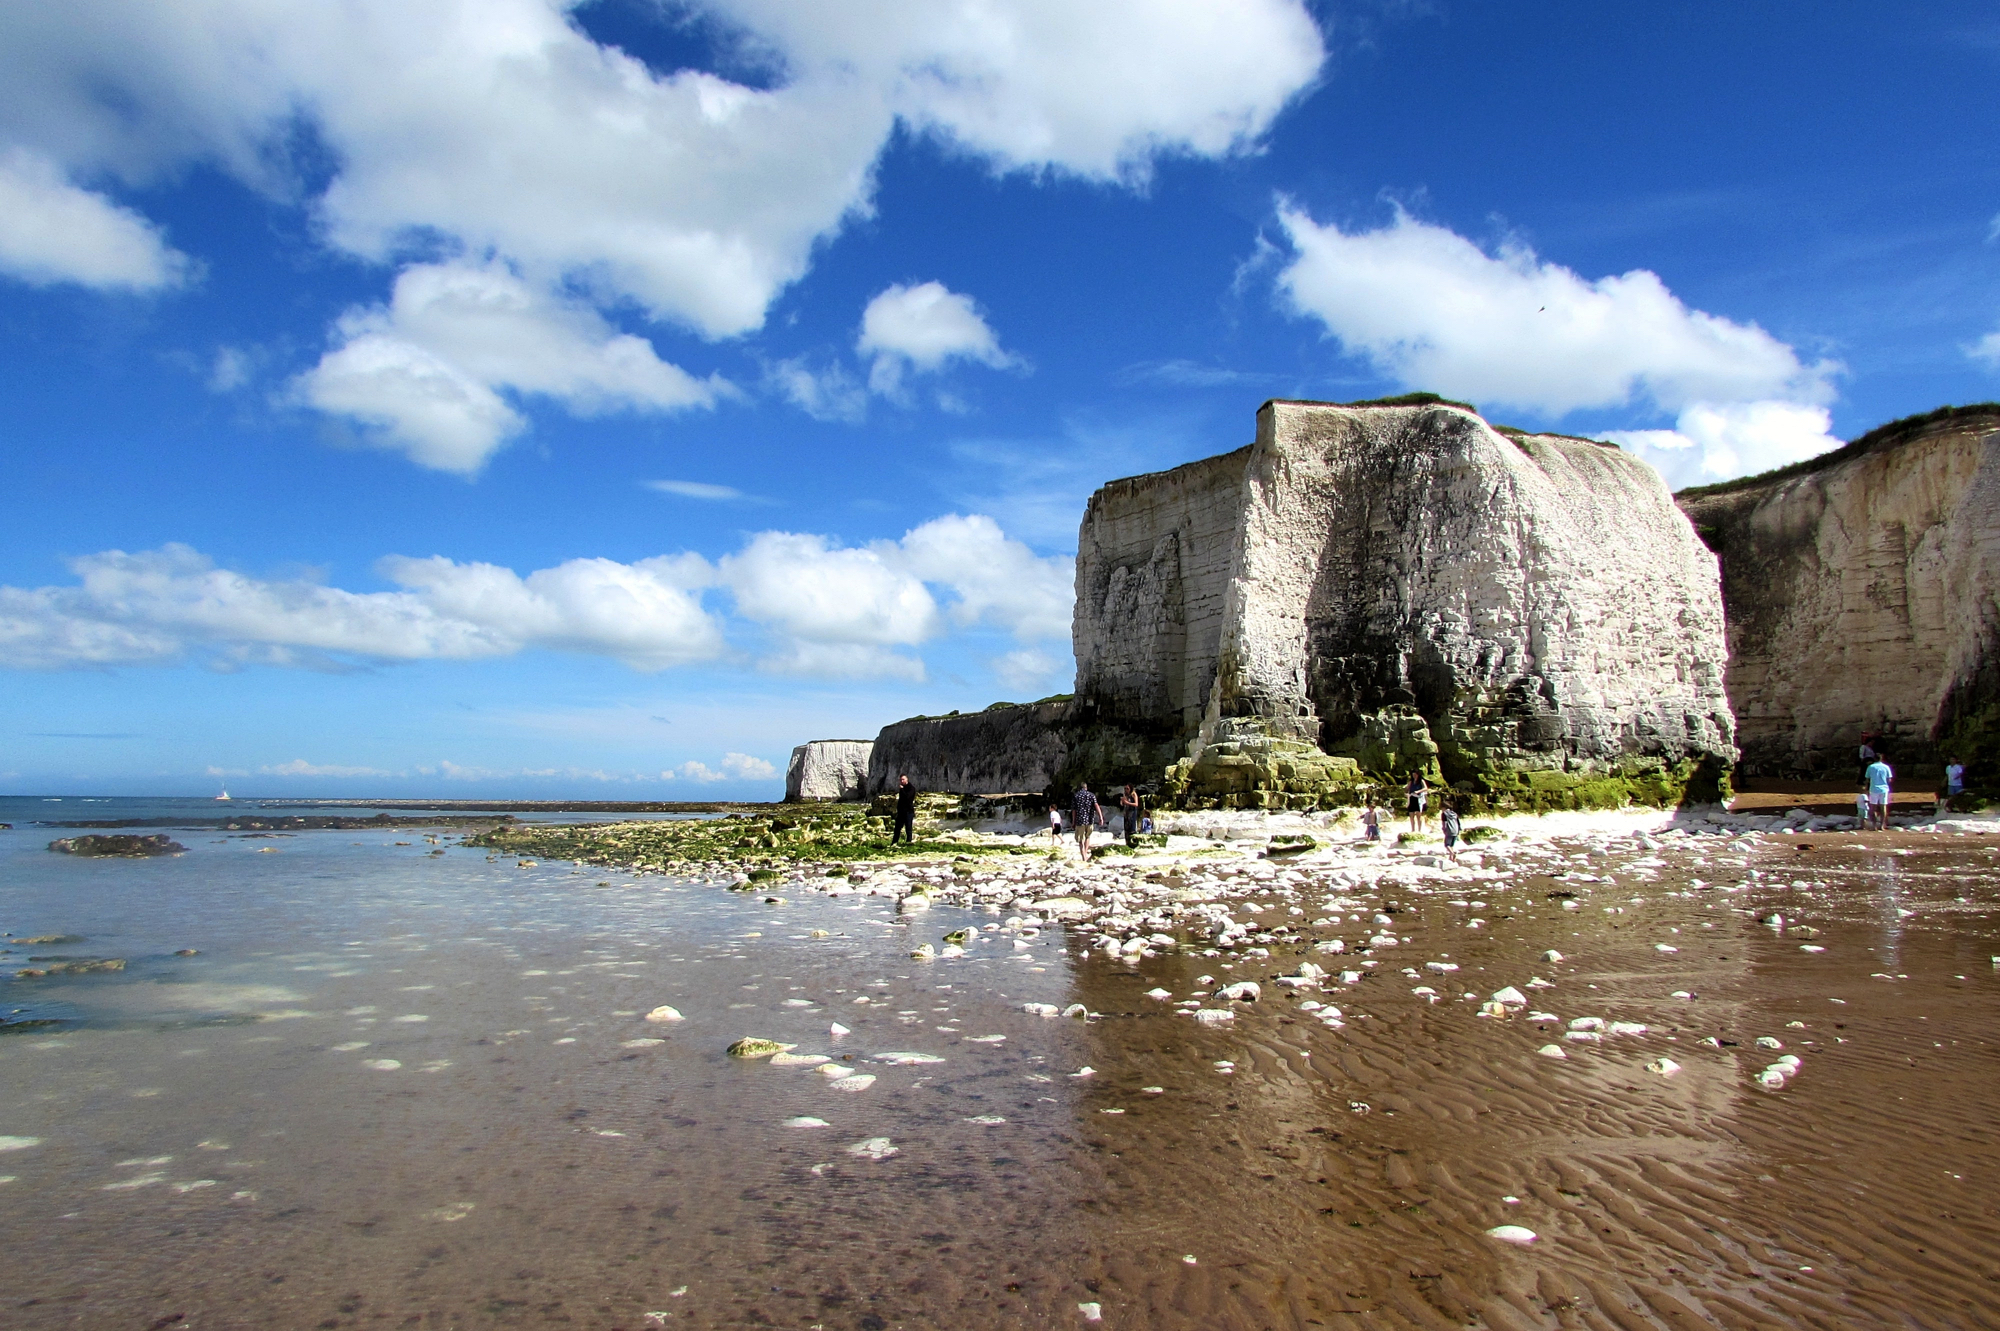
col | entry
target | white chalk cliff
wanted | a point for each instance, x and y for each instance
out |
(1863, 592)
(828, 769)
(1398, 583)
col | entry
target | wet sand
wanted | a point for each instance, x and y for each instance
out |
(217, 1139)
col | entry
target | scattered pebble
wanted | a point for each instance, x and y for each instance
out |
(1512, 1234)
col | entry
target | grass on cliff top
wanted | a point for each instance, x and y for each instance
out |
(1882, 436)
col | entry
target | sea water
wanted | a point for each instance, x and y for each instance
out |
(391, 1083)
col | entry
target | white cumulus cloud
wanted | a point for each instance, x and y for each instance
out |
(501, 128)
(1717, 442)
(427, 371)
(51, 231)
(923, 327)
(1436, 311)
(818, 608)
(746, 768)
(734, 767)
(300, 767)
(828, 393)
(1094, 89)
(162, 605)
(1029, 670)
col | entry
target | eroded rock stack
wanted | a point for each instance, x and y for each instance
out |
(1863, 592)
(1376, 589)
(828, 769)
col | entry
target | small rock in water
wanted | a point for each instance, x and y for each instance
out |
(1552, 1051)
(18, 1143)
(1552, 955)
(1511, 996)
(834, 1071)
(860, 1081)
(663, 1014)
(1077, 1010)
(752, 1047)
(1511, 1234)
(873, 1148)
(1666, 1067)
(899, 1058)
(381, 1064)
(986, 1119)
(790, 1060)
(1244, 991)
(1092, 1312)
(839, 1030)
(1159, 995)
(1214, 1016)
(806, 1121)
(1039, 1009)
(1769, 1042)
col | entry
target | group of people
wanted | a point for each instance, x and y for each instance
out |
(1417, 799)
(1871, 806)
(1087, 814)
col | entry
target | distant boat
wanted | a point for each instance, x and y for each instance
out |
(224, 795)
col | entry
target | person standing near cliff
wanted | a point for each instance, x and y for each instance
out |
(906, 812)
(1419, 791)
(1088, 814)
(1868, 755)
(1879, 776)
(1128, 808)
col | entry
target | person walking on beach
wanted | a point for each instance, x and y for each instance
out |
(1419, 792)
(1448, 824)
(1954, 781)
(906, 812)
(1128, 808)
(1879, 776)
(1085, 809)
(1055, 826)
(1371, 822)
(1868, 755)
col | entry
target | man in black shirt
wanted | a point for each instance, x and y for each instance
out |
(1089, 814)
(906, 812)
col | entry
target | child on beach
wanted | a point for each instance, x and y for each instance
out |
(1448, 823)
(1371, 822)
(1055, 825)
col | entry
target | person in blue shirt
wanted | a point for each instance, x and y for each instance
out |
(1879, 776)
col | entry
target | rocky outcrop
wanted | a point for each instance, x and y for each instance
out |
(1863, 595)
(1527, 617)
(828, 769)
(1006, 749)
(118, 847)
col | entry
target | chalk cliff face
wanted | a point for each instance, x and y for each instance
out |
(1003, 750)
(828, 769)
(1863, 592)
(1528, 616)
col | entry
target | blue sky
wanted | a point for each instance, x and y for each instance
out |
(537, 399)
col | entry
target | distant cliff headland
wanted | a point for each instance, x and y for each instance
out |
(1371, 589)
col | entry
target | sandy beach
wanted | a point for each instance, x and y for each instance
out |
(1610, 1071)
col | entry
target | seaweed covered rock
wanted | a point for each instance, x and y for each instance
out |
(119, 847)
